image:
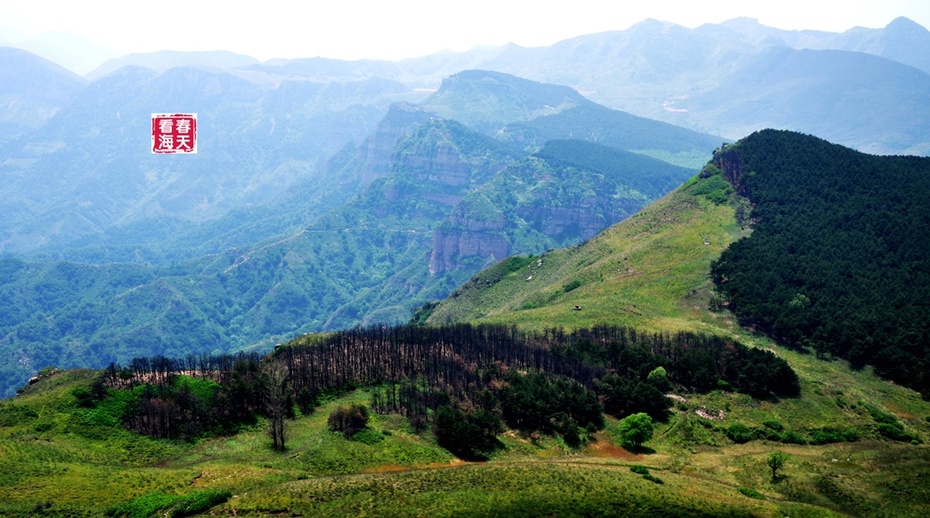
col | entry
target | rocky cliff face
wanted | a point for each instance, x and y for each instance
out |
(377, 150)
(579, 221)
(476, 228)
(453, 246)
(728, 160)
(527, 206)
(435, 159)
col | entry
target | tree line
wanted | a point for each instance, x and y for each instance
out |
(555, 381)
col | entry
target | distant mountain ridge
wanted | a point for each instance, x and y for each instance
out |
(88, 171)
(422, 203)
(163, 60)
(902, 40)
(653, 69)
(32, 90)
(306, 191)
(728, 79)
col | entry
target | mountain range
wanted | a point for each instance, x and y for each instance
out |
(865, 88)
(330, 194)
(426, 201)
(632, 325)
(623, 315)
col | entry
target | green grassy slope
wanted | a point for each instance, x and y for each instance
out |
(57, 459)
(649, 272)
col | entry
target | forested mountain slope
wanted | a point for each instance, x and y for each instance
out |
(426, 202)
(837, 260)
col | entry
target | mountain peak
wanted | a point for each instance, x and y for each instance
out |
(163, 60)
(487, 100)
(742, 21)
(903, 22)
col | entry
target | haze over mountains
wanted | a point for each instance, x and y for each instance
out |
(328, 194)
(426, 202)
(660, 70)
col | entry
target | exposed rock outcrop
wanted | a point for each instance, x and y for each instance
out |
(468, 235)
(377, 150)
(727, 159)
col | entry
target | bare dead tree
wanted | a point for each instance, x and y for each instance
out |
(277, 391)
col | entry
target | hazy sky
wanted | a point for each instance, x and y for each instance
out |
(354, 29)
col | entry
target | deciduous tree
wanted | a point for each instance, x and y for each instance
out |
(776, 460)
(636, 429)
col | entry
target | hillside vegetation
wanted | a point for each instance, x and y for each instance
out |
(650, 272)
(855, 444)
(837, 261)
(420, 205)
(62, 457)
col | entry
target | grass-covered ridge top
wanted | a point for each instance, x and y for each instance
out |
(81, 467)
(649, 272)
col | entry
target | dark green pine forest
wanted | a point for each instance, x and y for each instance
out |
(837, 262)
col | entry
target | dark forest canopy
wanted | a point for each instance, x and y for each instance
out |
(838, 258)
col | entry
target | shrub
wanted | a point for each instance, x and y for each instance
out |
(658, 378)
(143, 506)
(467, 435)
(739, 433)
(639, 470)
(773, 424)
(827, 436)
(880, 416)
(624, 396)
(895, 431)
(83, 397)
(198, 502)
(348, 420)
(792, 438)
(751, 493)
(367, 436)
(652, 478)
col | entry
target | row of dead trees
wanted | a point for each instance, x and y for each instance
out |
(415, 369)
